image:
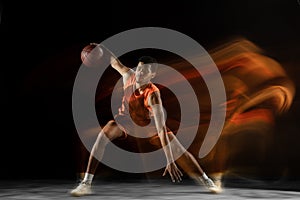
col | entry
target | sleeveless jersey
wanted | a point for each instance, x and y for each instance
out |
(135, 104)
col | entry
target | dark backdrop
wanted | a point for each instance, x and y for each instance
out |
(40, 48)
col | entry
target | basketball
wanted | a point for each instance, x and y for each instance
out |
(91, 55)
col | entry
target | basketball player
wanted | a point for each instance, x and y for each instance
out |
(142, 103)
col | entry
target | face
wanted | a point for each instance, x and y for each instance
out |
(143, 73)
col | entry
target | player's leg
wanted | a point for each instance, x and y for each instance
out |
(110, 132)
(189, 164)
(80, 157)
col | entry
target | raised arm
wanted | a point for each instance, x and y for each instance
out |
(115, 62)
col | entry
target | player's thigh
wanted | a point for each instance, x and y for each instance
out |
(156, 141)
(112, 130)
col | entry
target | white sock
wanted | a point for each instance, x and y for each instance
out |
(88, 178)
(201, 179)
(204, 176)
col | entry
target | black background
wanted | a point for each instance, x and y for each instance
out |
(40, 56)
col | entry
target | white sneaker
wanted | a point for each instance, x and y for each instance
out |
(211, 186)
(82, 189)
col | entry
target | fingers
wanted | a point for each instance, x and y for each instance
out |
(170, 172)
(178, 175)
(172, 178)
(174, 172)
(165, 172)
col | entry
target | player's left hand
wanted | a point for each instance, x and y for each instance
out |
(174, 172)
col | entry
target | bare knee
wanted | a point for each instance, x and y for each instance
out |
(111, 123)
(111, 130)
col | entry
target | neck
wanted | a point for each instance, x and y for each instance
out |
(141, 86)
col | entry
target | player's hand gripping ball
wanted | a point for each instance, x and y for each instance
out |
(91, 55)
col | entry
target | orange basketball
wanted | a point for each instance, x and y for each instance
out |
(91, 55)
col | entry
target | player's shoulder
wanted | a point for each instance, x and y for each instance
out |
(129, 73)
(153, 87)
(153, 91)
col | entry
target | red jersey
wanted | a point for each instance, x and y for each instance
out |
(134, 103)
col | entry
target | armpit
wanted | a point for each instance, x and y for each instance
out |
(154, 98)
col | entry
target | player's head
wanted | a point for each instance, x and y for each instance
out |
(146, 69)
(150, 61)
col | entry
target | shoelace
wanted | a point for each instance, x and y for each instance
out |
(85, 183)
(209, 183)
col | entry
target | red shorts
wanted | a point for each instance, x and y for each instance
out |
(129, 127)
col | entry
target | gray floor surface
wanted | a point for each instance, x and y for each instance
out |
(59, 189)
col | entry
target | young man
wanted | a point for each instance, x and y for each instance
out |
(141, 104)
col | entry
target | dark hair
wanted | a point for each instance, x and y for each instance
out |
(147, 59)
(151, 60)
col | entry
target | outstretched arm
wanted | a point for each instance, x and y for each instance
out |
(115, 62)
(157, 109)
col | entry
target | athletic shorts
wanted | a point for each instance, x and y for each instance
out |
(129, 127)
(136, 138)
